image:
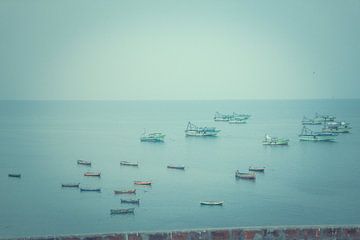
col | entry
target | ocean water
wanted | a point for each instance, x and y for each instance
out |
(304, 183)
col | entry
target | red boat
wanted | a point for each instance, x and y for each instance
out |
(142, 183)
(92, 174)
(133, 191)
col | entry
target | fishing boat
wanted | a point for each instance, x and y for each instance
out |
(237, 120)
(242, 175)
(336, 127)
(256, 169)
(193, 130)
(152, 137)
(308, 121)
(176, 167)
(132, 191)
(130, 201)
(212, 203)
(274, 140)
(70, 185)
(241, 115)
(146, 183)
(219, 117)
(82, 162)
(122, 211)
(90, 189)
(309, 135)
(324, 118)
(92, 174)
(125, 163)
(14, 175)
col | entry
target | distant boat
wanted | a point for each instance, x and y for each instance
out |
(318, 119)
(14, 175)
(92, 174)
(82, 162)
(336, 127)
(193, 130)
(309, 135)
(176, 167)
(122, 211)
(70, 185)
(132, 191)
(212, 203)
(249, 176)
(219, 117)
(274, 140)
(90, 189)
(308, 121)
(142, 183)
(126, 163)
(237, 120)
(152, 137)
(256, 169)
(130, 201)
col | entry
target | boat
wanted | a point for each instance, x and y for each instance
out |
(130, 201)
(125, 163)
(274, 140)
(176, 167)
(336, 127)
(92, 174)
(70, 185)
(309, 135)
(90, 189)
(152, 137)
(308, 121)
(193, 130)
(318, 119)
(212, 203)
(237, 121)
(14, 175)
(147, 183)
(242, 175)
(256, 169)
(132, 191)
(82, 162)
(219, 117)
(122, 211)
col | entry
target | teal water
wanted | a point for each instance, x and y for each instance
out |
(304, 183)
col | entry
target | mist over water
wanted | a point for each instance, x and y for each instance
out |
(304, 183)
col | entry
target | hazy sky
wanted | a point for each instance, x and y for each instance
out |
(200, 49)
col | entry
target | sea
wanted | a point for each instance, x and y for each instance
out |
(304, 183)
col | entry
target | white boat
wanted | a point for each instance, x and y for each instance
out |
(245, 175)
(336, 127)
(309, 135)
(193, 130)
(274, 140)
(237, 120)
(228, 117)
(152, 137)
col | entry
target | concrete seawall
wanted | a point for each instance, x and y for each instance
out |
(248, 233)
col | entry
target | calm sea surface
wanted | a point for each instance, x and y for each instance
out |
(304, 183)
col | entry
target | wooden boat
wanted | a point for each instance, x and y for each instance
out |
(257, 169)
(125, 163)
(82, 162)
(142, 183)
(92, 174)
(176, 167)
(131, 201)
(90, 189)
(14, 175)
(132, 191)
(122, 211)
(70, 185)
(212, 203)
(249, 176)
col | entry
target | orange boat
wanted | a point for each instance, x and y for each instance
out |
(142, 183)
(92, 174)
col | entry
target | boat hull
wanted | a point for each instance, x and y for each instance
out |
(122, 211)
(75, 185)
(90, 189)
(14, 175)
(316, 138)
(130, 201)
(176, 167)
(125, 192)
(208, 203)
(142, 183)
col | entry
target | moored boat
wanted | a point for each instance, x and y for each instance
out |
(70, 185)
(309, 135)
(90, 189)
(83, 162)
(147, 183)
(176, 167)
(242, 175)
(130, 201)
(237, 121)
(14, 175)
(126, 163)
(212, 203)
(92, 174)
(336, 127)
(122, 211)
(132, 191)
(274, 140)
(152, 137)
(256, 169)
(193, 130)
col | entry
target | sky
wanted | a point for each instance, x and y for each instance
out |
(174, 50)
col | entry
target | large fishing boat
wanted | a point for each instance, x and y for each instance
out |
(274, 140)
(309, 135)
(152, 137)
(336, 127)
(193, 130)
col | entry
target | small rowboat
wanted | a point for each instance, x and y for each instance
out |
(90, 189)
(14, 175)
(256, 169)
(125, 163)
(249, 176)
(132, 191)
(212, 203)
(82, 162)
(131, 201)
(122, 211)
(176, 167)
(70, 185)
(92, 174)
(142, 183)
